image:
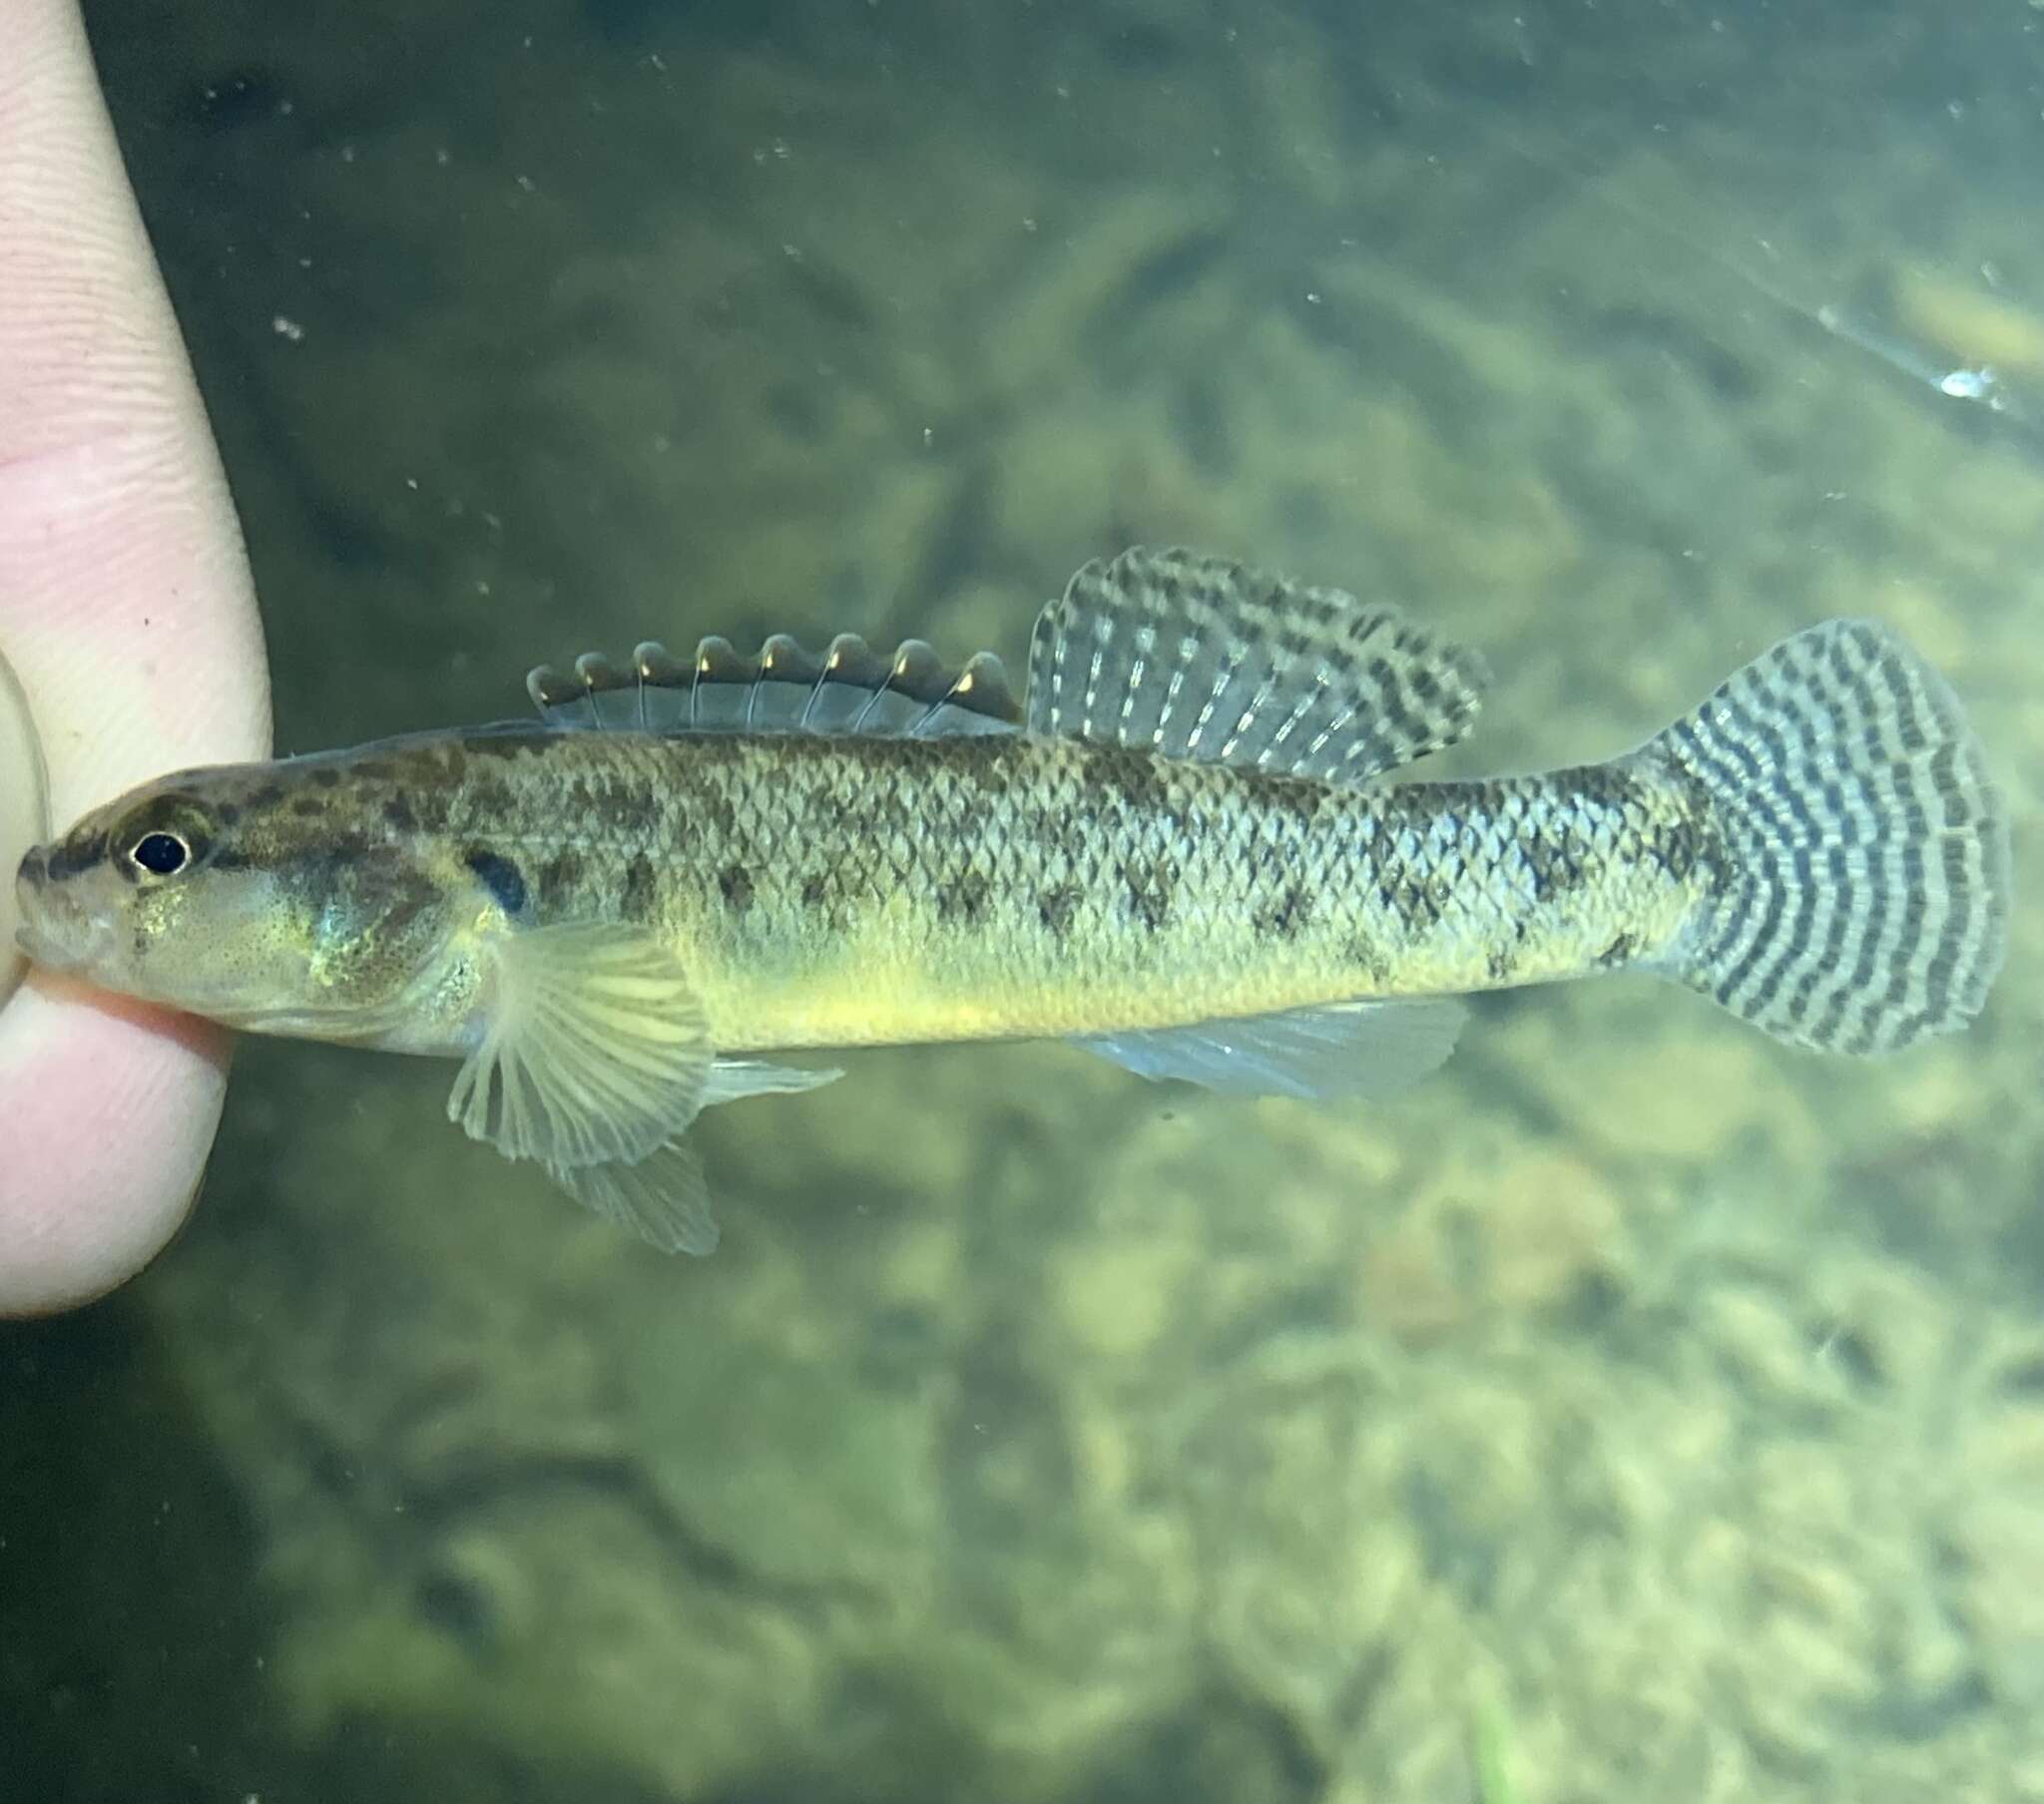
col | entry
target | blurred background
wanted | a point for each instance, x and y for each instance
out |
(1640, 1410)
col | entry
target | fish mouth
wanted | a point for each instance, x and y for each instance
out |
(57, 931)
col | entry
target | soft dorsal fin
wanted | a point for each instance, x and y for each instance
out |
(1193, 657)
(849, 689)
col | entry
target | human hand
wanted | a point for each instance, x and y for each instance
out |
(128, 618)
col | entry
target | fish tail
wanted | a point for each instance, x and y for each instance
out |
(1859, 895)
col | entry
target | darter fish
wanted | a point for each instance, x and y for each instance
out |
(1179, 850)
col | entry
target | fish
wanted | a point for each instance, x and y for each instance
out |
(1192, 847)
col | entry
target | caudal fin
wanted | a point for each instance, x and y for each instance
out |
(1862, 903)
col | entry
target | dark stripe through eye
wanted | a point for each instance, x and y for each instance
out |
(500, 877)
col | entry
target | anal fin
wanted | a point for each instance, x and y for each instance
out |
(733, 1080)
(1364, 1049)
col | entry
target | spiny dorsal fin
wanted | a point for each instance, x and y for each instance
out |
(849, 689)
(1192, 656)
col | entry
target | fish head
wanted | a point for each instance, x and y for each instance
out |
(256, 895)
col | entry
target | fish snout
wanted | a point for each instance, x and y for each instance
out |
(56, 930)
(31, 885)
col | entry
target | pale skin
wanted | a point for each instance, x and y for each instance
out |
(128, 621)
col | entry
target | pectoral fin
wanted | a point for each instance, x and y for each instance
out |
(595, 1049)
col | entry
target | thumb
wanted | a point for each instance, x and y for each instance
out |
(126, 613)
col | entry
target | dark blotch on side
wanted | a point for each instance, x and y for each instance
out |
(734, 885)
(398, 813)
(963, 899)
(641, 888)
(1368, 957)
(1678, 846)
(828, 898)
(1554, 862)
(711, 807)
(1149, 896)
(1619, 952)
(559, 879)
(1056, 905)
(1416, 901)
(1284, 918)
(500, 877)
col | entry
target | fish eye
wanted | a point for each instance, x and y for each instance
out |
(162, 838)
(161, 854)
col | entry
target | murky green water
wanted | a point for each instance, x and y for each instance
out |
(1637, 1411)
